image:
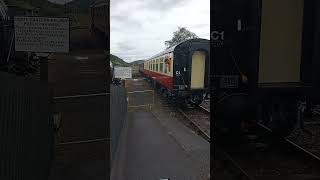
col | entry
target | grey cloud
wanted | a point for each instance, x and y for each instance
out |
(125, 47)
(119, 17)
(140, 27)
(162, 5)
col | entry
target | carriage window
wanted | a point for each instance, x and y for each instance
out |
(165, 68)
(161, 65)
(169, 65)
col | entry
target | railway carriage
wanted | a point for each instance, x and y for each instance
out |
(181, 72)
(265, 62)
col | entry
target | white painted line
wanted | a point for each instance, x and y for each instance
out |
(81, 57)
(139, 91)
(84, 141)
(78, 96)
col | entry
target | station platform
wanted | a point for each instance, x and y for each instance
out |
(152, 153)
(157, 147)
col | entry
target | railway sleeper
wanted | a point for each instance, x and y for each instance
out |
(280, 118)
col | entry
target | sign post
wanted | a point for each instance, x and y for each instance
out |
(42, 35)
(122, 73)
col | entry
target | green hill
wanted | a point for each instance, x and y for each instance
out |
(137, 62)
(116, 61)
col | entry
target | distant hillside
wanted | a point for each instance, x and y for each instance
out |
(137, 62)
(35, 3)
(116, 61)
(46, 8)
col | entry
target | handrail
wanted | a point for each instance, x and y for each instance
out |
(79, 96)
(9, 53)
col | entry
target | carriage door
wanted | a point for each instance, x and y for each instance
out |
(198, 70)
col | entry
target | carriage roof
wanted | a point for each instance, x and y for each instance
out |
(171, 49)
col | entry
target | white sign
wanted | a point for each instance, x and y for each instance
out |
(41, 34)
(122, 72)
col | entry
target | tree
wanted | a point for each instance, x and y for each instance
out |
(180, 35)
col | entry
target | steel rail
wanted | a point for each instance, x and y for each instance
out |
(203, 108)
(198, 128)
(244, 174)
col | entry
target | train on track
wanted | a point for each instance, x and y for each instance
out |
(181, 72)
(264, 63)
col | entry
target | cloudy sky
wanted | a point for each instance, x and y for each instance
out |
(140, 27)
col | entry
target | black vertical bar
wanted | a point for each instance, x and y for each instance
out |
(316, 53)
(307, 41)
(44, 69)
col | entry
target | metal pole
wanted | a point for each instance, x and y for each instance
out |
(44, 69)
(153, 98)
(9, 53)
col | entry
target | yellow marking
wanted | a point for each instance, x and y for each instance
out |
(198, 70)
(281, 38)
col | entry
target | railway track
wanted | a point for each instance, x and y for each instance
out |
(205, 106)
(260, 155)
(196, 118)
(199, 120)
(257, 155)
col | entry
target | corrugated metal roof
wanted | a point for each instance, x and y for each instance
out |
(164, 52)
(99, 2)
(172, 48)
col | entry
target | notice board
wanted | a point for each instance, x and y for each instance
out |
(122, 72)
(41, 34)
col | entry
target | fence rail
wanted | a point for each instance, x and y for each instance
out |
(142, 98)
(81, 118)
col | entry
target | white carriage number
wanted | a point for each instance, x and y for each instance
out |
(178, 72)
(216, 35)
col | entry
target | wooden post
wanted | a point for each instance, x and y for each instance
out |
(124, 83)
